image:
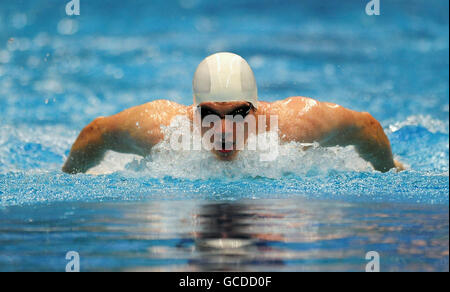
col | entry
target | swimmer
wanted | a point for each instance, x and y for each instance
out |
(224, 85)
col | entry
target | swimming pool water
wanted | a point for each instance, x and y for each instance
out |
(317, 210)
(203, 235)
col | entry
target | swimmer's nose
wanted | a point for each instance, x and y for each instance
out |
(227, 137)
(227, 125)
(227, 141)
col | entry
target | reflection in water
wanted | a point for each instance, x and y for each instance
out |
(254, 235)
(228, 238)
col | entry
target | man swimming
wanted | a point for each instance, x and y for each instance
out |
(224, 86)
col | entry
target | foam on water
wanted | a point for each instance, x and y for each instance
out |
(292, 158)
(427, 122)
(46, 148)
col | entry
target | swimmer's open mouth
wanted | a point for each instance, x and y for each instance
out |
(225, 154)
(226, 149)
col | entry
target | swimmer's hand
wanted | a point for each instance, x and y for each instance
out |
(399, 166)
(88, 150)
(372, 143)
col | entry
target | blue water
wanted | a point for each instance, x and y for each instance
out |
(319, 212)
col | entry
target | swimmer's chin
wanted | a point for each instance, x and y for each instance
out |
(226, 156)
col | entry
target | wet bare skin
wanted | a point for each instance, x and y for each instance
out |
(138, 129)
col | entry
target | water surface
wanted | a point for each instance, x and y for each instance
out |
(307, 211)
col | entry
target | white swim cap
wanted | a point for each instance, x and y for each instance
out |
(224, 77)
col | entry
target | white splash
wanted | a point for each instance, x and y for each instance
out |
(432, 125)
(294, 158)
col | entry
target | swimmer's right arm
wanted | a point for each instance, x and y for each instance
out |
(134, 131)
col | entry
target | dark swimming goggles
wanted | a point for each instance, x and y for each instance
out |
(242, 111)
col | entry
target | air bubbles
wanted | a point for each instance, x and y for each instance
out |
(47, 56)
(50, 100)
(67, 27)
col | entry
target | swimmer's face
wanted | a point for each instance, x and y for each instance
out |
(230, 126)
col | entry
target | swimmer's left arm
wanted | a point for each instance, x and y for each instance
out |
(332, 125)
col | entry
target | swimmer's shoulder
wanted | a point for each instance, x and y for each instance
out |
(167, 107)
(159, 111)
(293, 103)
